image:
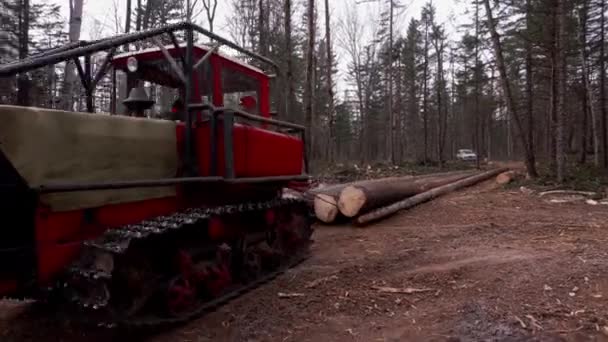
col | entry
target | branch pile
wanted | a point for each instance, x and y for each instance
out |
(371, 200)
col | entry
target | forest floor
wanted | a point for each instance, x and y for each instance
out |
(485, 263)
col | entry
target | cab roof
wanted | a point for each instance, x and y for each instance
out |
(199, 50)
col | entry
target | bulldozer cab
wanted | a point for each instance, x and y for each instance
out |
(216, 79)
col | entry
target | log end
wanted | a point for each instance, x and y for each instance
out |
(505, 177)
(351, 201)
(326, 208)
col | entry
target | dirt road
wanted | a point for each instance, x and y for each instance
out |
(483, 264)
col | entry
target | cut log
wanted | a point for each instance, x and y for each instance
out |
(326, 208)
(325, 202)
(505, 177)
(363, 197)
(425, 196)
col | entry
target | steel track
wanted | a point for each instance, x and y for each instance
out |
(214, 304)
(117, 241)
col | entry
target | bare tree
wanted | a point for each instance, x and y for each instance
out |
(263, 32)
(391, 119)
(561, 79)
(588, 98)
(351, 41)
(529, 76)
(507, 91)
(290, 88)
(310, 55)
(477, 81)
(427, 18)
(439, 42)
(329, 77)
(24, 38)
(210, 9)
(602, 66)
(76, 7)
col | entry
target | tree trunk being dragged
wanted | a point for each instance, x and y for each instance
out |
(425, 196)
(361, 198)
(326, 206)
(325, 201)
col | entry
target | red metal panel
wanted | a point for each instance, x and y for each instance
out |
(59, 235)
(218, 93)
(257, 152)
(264, 98)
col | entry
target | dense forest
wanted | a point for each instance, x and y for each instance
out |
(518, 80)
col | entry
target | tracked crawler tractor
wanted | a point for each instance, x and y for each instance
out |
(131, 219)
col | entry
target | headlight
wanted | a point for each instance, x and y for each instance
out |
(132, 64)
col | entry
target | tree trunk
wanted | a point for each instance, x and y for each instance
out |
(74, 35)
(147, 15)
(330, 82)
(529, 77)
(440, 102)
(477, 90)
(210, 7)
(425, 95)
(262, 17)
(128, 22)
(586, 100)
(310, 54)
(358, 199)
(139, 15)
(326, 208)
(555, 84)
(561, 77)
(326, 199)
(602, 62)
(290, 88)
(23, 83)
(510, 101)
(425, 196)
(391, 119)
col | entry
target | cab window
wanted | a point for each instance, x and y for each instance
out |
(240, 91)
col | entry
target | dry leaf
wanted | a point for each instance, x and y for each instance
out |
(523, 325)
(320, 281)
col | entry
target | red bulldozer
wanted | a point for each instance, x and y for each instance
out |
(158, 214)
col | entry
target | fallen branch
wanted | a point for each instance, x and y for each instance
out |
(290, 295)
(534, 322)
(523, 325)
(320, 281)
(406, 290)
(567, 192)
(425, 196)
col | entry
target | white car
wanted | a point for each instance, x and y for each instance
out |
(466, 155)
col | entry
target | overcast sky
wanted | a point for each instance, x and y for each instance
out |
(99, 17)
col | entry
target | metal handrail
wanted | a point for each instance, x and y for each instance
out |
(237, 112)
(228, 116)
